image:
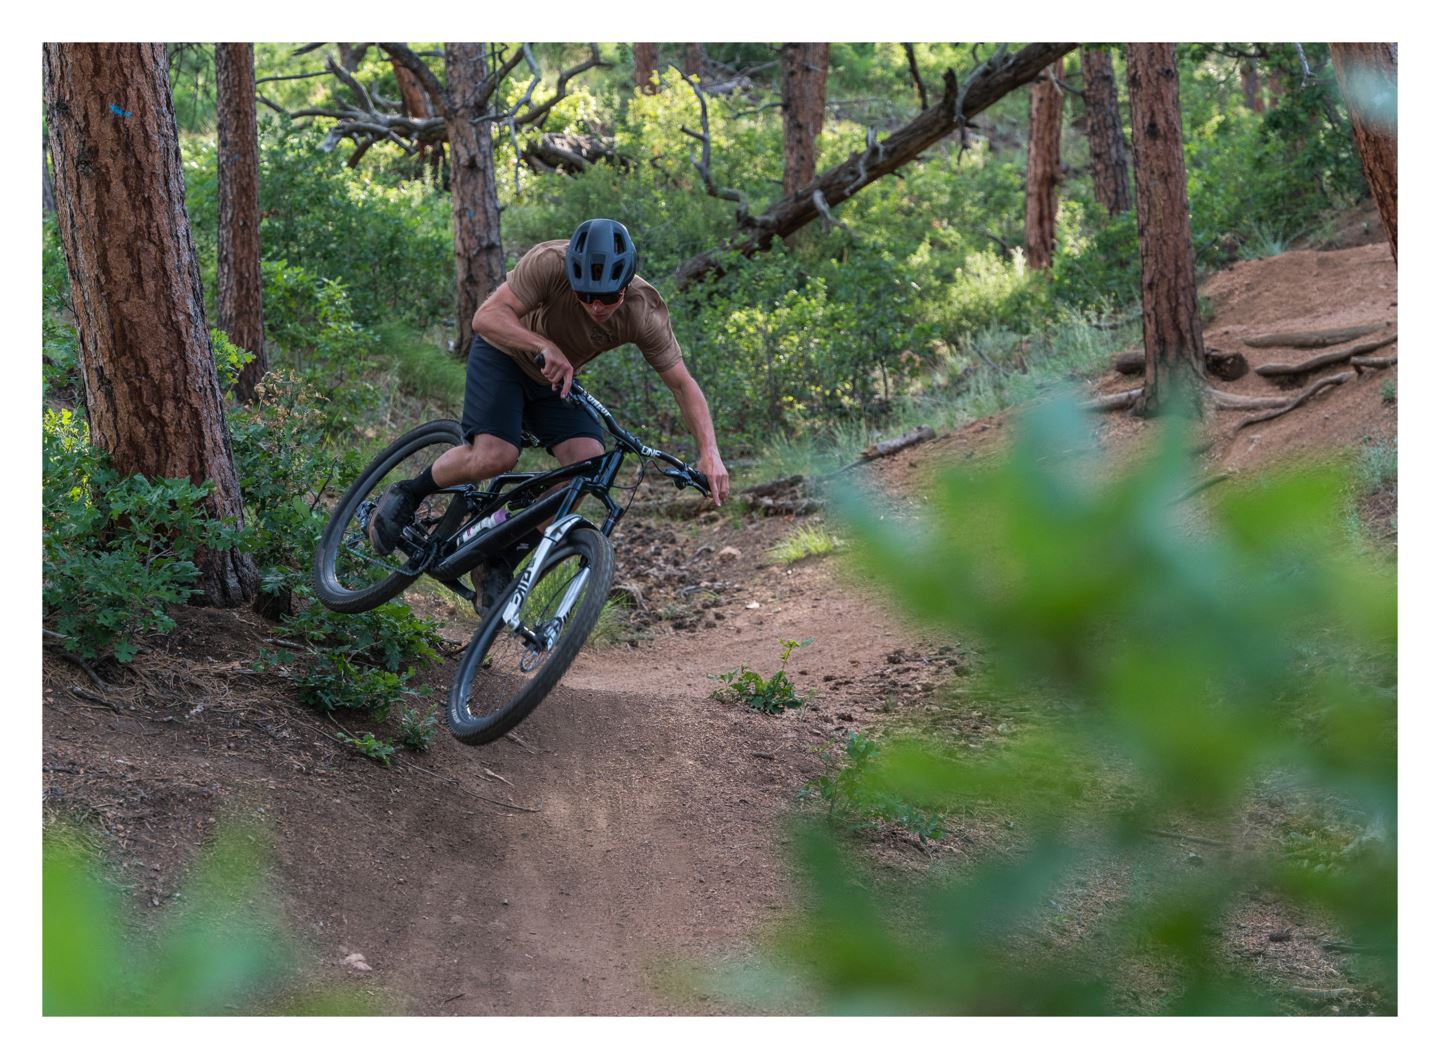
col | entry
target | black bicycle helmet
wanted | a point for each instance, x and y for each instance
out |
(601, 259)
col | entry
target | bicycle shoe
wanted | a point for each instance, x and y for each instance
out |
(393, 512)
(491, 579)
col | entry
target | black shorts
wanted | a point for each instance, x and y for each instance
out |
(501, 399)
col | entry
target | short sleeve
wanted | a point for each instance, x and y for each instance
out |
(531, 278)
(656, 340)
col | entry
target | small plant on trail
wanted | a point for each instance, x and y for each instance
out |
(851, 798)
(775, 695)
(803, 542)
(1387, 391)
(417, 731)
(368, 746)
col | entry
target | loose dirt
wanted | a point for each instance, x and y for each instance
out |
(635, 830)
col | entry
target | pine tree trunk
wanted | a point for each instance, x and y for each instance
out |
(1174, 346)
(1250, 82)
(694, 60)
(1368, 77)
(238, 283)
(647, 60)
(417, 104)
(804, 69)
(47, 189)
(475, 204)
(151, 391)
(1042, 168)
(1105, 132)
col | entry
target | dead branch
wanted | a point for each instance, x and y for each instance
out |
(1309, 392)
(1338, 356)
(433, 88)
(990, 81)
(915, 76)
(742, 215)
(888, 447)
(536, 115)
(1312, 339)
(1204, 484)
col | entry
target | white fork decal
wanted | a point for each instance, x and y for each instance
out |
(551, 537)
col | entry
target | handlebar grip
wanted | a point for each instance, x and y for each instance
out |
(701, 480)
(538, 360)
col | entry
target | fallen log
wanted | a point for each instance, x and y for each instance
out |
(1315, 339)
(799, 505)
(1227, 366)
(1309, 392)
(1324, 360)
(893, 445)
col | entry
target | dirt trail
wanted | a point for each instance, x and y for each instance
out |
(657, 839)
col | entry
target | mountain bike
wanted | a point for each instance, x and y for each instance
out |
(560, 563)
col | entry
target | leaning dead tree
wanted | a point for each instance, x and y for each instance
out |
(999, 75)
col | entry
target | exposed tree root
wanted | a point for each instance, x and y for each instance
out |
(1227, 366)
(1339, 356)
(1314, 339)
(1309, 392)
(1221, 399)
(1373, 362)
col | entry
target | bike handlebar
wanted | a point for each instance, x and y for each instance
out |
(579, 396)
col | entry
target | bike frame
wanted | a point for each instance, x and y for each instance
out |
(456, 553)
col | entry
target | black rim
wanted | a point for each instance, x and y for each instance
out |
(354, 564)
(515, 660)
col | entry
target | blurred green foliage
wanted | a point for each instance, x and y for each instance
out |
(218, 950)
(1165, 672)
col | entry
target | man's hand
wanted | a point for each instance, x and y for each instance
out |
(713, 468)
(557, 369)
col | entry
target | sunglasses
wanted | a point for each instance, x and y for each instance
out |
(603, 299)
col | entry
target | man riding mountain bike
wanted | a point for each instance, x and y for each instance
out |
(561, 306)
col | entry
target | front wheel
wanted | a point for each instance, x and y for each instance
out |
(348, 574)
(506, 673)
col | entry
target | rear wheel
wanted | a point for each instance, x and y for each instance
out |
(348, 574)
(505, 674)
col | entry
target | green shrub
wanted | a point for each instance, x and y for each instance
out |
(417, 730)
(1167, 674)
(850, 797)
(117, 551)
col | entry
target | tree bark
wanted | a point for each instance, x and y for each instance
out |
(475, 204)
(647, 60)
(1105, 132)
(47, 188)
(238, 301)
(1174, 346)
(1250, 82)
(151, 391)
(804, 68)
(1042, 168)
(995, 79)
(1367, 74)
(694, 60)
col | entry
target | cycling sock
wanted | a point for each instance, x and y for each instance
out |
(421, 486)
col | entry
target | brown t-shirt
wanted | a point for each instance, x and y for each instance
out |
(551, 309)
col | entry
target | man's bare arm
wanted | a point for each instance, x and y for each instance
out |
(498, 322)
(697, 416)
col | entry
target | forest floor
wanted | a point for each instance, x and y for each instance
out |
(635, 829)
